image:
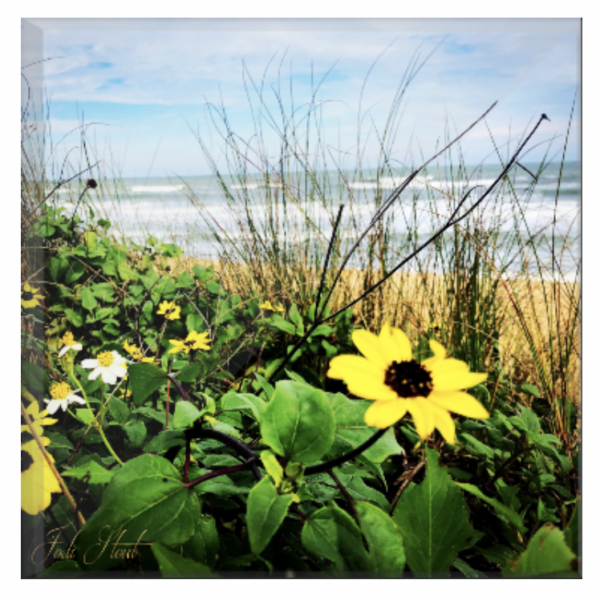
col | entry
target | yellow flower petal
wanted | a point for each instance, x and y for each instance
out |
(422, 415)
(396, 344)
(460, 403)
(370, 389)
(383, 414)
(371, 347)
(349, 366)
(455, 380)
(443, 423)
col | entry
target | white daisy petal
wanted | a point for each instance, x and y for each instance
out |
(89, 363)
(75, 398)
(63, 350)
(118, 370)
(77, 346)
(94, 374)
(53, 406)
(108, 376)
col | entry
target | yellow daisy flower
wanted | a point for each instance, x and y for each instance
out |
(194, 341)
(38, 419)
(69, 344)
(30, 297)
(266, 305)
(429, 390)
(124, 395)
(37, 479)
(62, 395)
(170, 310)
(130, 348)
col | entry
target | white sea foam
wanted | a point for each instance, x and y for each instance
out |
(156, 189)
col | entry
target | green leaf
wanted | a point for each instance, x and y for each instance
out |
(298, 422)
(118, 410)
(185, 414)
(165, 440)
(87, 299)
(75, 271)
(386, 547)
(530, 389)
(265, 514)
(547, 552)
(58, 441)
(501, 509)
(189, 373)
(85, 415)
(265, 385)
(145, 501)
(434, 521)
(61, 569)
(203, 546)
(97, 473)
(246, 402)
(331, 533)
(280, 323)
(468, 571)
(272, 466)
(572, 531)
(173, 565)
(474, 446)
(351, 430)
(136, 432)
(532, 423)
(32, 375)
(144, 379)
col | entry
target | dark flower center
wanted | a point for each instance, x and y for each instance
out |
(408, 379)
(27, 296)
(189, 344)
(26, 461)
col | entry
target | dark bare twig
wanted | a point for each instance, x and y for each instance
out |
(318, 312)
(248, 464)
(407, 480)
(342, 489)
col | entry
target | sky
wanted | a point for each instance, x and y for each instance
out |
(145, 87)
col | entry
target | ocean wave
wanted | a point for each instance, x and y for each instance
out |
(156, 189)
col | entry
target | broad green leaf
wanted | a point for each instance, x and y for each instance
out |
(386, 547)
(195, 322)
(351, 430)
(145, 501)
(331, 533)
(75, 271)
(144, 379)
(188, 373)
(547, 553)
(572, 531)
(478, 448)
(96, 473)
(531, 389)
(85, 415)
(468, 571)
(434, 521)
(247, 402)
(185, 414)
(136, 432)
(118, 410)
(61, 569)
(265, 385)
(87, 299)
(501, 509)
(283, 325)
(165, 440)
(57, 440)
(173, 565)
(203, 546)
(298, 422)
(531, 421)
(265, 514)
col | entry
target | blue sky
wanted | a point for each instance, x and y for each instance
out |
(147, 87)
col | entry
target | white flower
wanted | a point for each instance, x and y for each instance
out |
(69, 344)
(108, 364)
(62, 396)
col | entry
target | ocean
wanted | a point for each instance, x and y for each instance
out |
(530, 218)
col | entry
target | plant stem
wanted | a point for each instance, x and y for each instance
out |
(248, 464)
(96, 423)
